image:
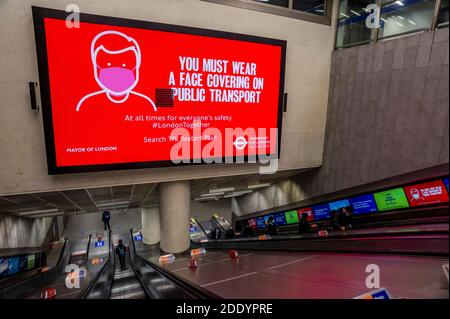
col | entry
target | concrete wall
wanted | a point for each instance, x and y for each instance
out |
(388, 115)
(16, 232)
(204, 211)
(80, 226)
(22, 152)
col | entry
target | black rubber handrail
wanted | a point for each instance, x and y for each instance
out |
(219, 224)
(112, 259)
(85, 293)
(202, 228)
(149, 293)
(58, 264)
(334, 235)
(189, 288)
(370, 244)
(21, 288)
(40, 273)
(88, 248)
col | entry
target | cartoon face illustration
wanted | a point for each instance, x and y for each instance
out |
(116, 60)
(113, 76)
(415, 194)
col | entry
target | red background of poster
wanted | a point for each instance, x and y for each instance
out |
(427, 200)
(307, 210)
(71, 77)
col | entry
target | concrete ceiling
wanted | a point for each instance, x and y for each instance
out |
(78, 201)
(124, 197)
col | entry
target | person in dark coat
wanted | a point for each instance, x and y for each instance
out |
(248, 230)
(121, 251)
(272, 228)
(345, 218)
(106, 217)
(303, 225)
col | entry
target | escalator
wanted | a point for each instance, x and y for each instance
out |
(22, 287)
(426, 239)
(125, 284)
(141, 280)
(50, 282)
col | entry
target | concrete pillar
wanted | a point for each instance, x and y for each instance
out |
(175, 200)
(150, 225)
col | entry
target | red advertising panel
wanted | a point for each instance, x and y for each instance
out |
(130, 94)
(427, 193)
(252, 223)
(307, 210)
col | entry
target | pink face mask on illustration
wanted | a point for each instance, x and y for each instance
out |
(117, 79)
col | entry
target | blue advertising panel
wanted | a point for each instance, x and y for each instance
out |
(260, 222)
(100, 243)
(364, 204)
(3, 267)
(280, 219)
(446, 183)
(13, 265)
(339, 204)
(16, 264)
(192, 229)
(266, 218)
(9, 266)
(321, 211)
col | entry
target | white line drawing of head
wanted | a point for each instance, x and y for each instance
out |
(117, 82)
(415, 194)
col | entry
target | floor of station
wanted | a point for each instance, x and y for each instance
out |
(297, 275)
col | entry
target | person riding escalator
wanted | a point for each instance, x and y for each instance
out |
(271, 226)
(303, 225)
(248, 230)
(121, 251)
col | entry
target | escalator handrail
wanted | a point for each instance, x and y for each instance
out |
(112, 258)
(304, 245)
(334, 235)
(379, 223)
(149, 293)
(201, 226)
(88, 248)
(85, 293)
(51, 271)
(190, 288)
(219, 224)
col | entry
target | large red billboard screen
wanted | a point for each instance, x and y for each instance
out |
(427, 193)
(123, 92)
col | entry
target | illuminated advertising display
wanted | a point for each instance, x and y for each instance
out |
(427, 194)
(321, 211)
(306, 210)
(123, 94)
(446, 183)
(280, 219)
(364, 204)
(252, 222)
(391, 199)
(266, 218)
(260, 222)
(291, 217)
(339, 204)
